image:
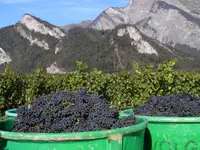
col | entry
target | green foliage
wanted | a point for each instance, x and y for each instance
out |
(12, 86)
(122, 89)
(36, 85)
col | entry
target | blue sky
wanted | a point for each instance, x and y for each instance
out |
(57, 12)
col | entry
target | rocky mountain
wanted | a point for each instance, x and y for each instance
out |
(34, 43)
(83, 24)
(30, 43)
(171, 22)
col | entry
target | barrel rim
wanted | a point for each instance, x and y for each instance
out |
(115, 133)
(10, 113)
(161, 119)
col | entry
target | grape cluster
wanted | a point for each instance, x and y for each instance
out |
(175, 105)
(67, 111)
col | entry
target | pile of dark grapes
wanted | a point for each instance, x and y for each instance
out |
(67, 111)
(175, 105)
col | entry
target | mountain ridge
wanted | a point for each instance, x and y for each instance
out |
(33, 42)
(83, 24)
(170, 22)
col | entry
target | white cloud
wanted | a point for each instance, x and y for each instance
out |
(15, 1)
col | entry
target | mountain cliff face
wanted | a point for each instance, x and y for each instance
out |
(29, 24)
(172, 22)
(83, 24)
(32, 43)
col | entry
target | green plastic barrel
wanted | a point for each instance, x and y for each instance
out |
(126, 113)
(171, 133)
(5, 125)
(11, 113)
(129, 138)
